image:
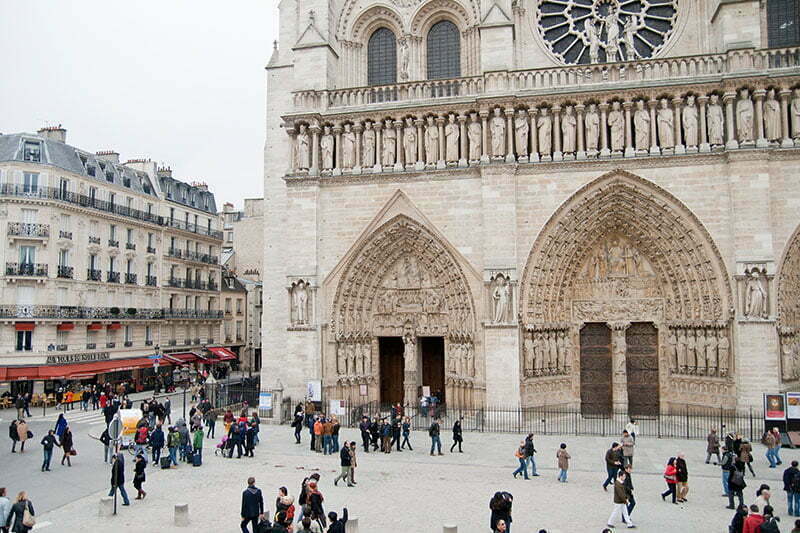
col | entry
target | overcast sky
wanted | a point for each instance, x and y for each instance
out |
(176, 81)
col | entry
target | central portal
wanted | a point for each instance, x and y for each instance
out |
(432, 351)
(392, 365)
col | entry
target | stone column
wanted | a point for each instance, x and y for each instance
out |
(558, 155)
(630, 151)
(292, 150)
(509, 112)
(604, 151)
(581, 153)
(786, 142)
(620, 375)
(677, 104)
(399, 151)
(420, 145)
(441, 163)
(730, 128)
(654, 150)
(462, 128)
(378, 126)
(410, 370)
(704, 146)
(485, 133)
(758, 97)
(358, 128)
(314, 170)
(337, 149)
(533, 134)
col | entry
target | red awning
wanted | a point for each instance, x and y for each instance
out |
(24, 326)
(223, 354)
(94, 327)
(2, 373)
(66, 326)
(179, 358)
(82, 370)
(115, 325)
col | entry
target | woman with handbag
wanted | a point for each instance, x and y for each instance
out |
(670, 476)
(23, 434)
(66, 445)
(22, 517)
(139, 475)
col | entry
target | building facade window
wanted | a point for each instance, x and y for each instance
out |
(783, 23)
(30, 182)
(444, 51)
(382, 57)
(27, 255)
(24, 341)
(33, 151)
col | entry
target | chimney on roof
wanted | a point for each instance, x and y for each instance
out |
(54, 133)
(200, 185)
(164, 172)
(108, 155)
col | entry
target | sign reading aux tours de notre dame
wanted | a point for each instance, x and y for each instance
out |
(71, 358)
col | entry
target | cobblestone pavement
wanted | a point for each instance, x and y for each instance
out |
(412, 491)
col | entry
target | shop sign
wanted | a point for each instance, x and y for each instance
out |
(71, 358)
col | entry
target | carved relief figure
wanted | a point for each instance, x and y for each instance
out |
(369, 145)
(521, 129)
(404, 59)
(682, 360)
(431, 142)
(568, 123)
(689, 119)
(666, 125)
(498, 129)
(592, 35)
(716, 122)
(723, 348)
(616, 121)
(756, 297)
(630, 34)
(711, 352)
(410, 141)
(545, 125)
(326, 148)
(500, 297)
(612, 35)
(538, 347)
(452, 135)
(744, 116)
(300, 301)
(303, 150)
(772, 117)
(528, 355)
(795, 113)
(787, 361)
(592, 121)
(559, 350)
(341, 358)
(641, 121)
(567, 350)
(672, 349)
(348, 147)
(474, 134)
(691, 350)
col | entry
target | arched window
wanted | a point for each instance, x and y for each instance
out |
(382, 58)
(444, 51)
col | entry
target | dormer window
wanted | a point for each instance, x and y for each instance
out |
(90, 170)
(110, 177)
(146, 188)
(126, 181)
(33, 152)
(102, 165)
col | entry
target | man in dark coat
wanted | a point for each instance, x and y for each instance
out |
(613, 464)
(337, 524)
(118, 477)
(458, 436)
(252, 506)
(682, 475)
(433, 432)
(364, 428)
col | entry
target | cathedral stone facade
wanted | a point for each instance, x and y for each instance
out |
(531, 202)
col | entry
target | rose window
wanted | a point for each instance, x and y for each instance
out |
(599, 31)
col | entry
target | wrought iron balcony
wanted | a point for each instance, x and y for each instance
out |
(94, 275)
(91, 345)
(212, 285)
(128, 344)
(187, 342)
(112, 277)
(151, 249)
(192, 313)
(64, 234)
(189, 255)
(113, 243)
(172, 342)
(176, 282)
(193, 228)
(130, 246)
(151, 281)
(210, 340)
(148, 343)
(111, 345)
(130, 279)
(61, 347)
(26, 269)
(196, 340)
(65, 272)
(74, 312)
(28, 229)
(94, 240)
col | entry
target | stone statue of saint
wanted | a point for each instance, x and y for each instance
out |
(787, 361)
(716, 121)
(593, 37)
(404, 59)
(641, 121)
(348, 147)
(592, 121)
(362, 358)
(630, 37)
(723, 349)
(410, 141)
(368, 141)
(795, 113)
(689, 119)
(691, 351)
(452, 135)
(341, 358)
(711, 352)
(474, 136)
(300, 295)
(744, 117)
(568, 123)
(666, 125)
(612, 35)
(756, 297)
(431, 142)
(498, 129)
(326, 148)
(538, 350)
(500, 296)
(521, 130)
(616, 121)
(772, 117)
(528, 354)
(389, 144)
(303, 149)
(672, 349)
(682, 365)
(545, 126)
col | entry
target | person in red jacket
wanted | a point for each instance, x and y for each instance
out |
(753, 520)
(670, 477)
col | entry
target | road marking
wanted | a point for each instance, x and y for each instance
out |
(42, 525)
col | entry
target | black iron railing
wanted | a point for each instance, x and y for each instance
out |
(112, 277)
(65, 272)
(94, 240)
(130, 246)
(130, 279)
(151, 281)
(64, 234)
(99, 313)
(94, 275)
(26, 269)
(28, 229)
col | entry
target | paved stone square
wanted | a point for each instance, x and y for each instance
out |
(412, 491)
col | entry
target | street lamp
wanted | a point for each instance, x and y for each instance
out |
(185, 376)
(250, 364)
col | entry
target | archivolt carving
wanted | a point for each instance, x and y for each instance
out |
(374, 17)
(352, 16)
(460, 15)
(673, 244)
(789, 309)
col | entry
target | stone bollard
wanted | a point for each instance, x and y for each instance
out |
(106, 506)
(449, 528)
(182, 514)
(351, 526)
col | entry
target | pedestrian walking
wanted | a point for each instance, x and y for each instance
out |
(530, 454)
(197, 442)
(48, 443)
(297, 424)
(776, 454)
(353, 461)
(346, 462)
(157, 440)
(753, 520)
(682, 475)
(211, 422)
(252, 506)
(173, 443)
(520, 455)
(5, 510)
(500, 506)
(168, 410)
(67, 446)
(21, 519)
(61, 425)
(23, 434)
(746, 454)
(613, 464)
(727, 465)
(671, 479)
(458, 436)
(386, 436)
(632, 428)
(563, 458)
(395, 429)
(763, 494)
(318, 429)
(791, 484)
(303, 497)
(628, 444)
(315, 500)
(19, 404)
(406, 432)
(139, 477)
(629, 488)
(769, 441)
(736, 485)
(737, 523)
(118, 477)
(336, 426)
(712, 446)
(770, 523)
(620, 502)
(363, 427)
(337, 524)
(433, 432)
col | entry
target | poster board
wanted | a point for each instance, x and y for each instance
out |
(265, 400)
(314, 391)
(362, 389)
(793, 405)
(337, 407)
(774, 407)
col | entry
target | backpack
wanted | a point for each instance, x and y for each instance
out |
(737, 480)
(794, 483)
